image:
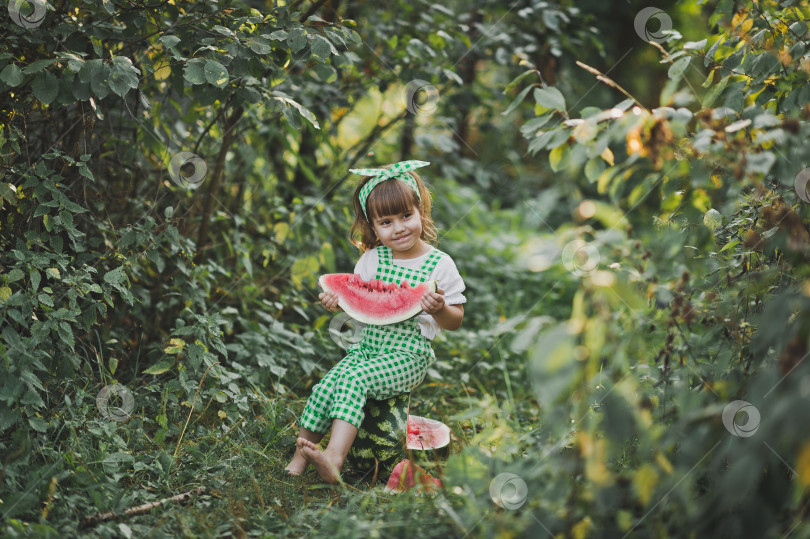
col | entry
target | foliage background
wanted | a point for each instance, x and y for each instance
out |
(578, 158)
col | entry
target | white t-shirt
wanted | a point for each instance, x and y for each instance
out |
(445, 272)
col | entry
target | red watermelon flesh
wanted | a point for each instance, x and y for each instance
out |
(402, 478)
(424, 433)
(376, 302)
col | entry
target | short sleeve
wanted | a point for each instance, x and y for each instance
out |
(366, 265)
(450, 281)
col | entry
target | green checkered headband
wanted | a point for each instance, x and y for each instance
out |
(398, 171)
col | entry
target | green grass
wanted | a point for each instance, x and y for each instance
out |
(241, 464)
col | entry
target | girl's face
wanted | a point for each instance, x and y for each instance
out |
(401, 232)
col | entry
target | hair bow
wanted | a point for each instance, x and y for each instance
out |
(397, 171)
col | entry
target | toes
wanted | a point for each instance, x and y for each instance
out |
(307, 444)
(309, 453)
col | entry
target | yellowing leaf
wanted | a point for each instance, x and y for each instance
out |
(581, 528)
(594, 453)
(174, 346)
(624, 519)
(5, 293)
(663, 462)
(303, 268)
(162, 69)
(803, 465)
(607, 155)
(644, 482)
(738, 18)
(585, 132)
(281, 230)
(746, 26)
(160, 367)
(558, 157)
(222, 415)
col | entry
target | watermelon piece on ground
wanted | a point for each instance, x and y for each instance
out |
(403, 478)
(376, 302)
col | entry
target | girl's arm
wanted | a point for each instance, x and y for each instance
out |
(450, 317)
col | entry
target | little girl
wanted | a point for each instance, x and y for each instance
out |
(392, 208)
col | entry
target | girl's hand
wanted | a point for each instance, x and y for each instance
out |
(330, 301)
(433, 302)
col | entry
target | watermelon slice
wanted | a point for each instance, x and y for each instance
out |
(427, 434)
(376, 302)
(402, 478)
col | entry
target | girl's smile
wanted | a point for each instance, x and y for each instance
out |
(401, 233)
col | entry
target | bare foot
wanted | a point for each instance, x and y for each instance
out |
(299, 462)
(327, 466)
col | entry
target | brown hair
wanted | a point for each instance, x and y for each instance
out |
(389, 198)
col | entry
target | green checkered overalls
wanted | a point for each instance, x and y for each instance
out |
(388, 360)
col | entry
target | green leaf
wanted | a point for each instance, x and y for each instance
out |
(15, 275)
(89, 69)
(677, 69)
(729, 245)
(715, 92)
(711, 52)
(259, 45)
(115, 459)
(115, 276)
(516, 80)
(38, 424)
(53, 273)
(320, 48)
(169, 41)
(216, 74)
(113, 364)
(39, 65)
(694, 44)
(326, 73)
(35, 279)
(98, 82)
(558, 158)
(222, 30)
(517, 101)
(594, 168)
(194, 71)
(550, 98)
(123, 76)
(67, 219)
(303, 111)
(45, 299)
(11, 75)
(45, 87)
(160, 367)
(73, 207)
(297, 39)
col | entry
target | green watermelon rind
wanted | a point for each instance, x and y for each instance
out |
(365, 318)
(381, 441)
